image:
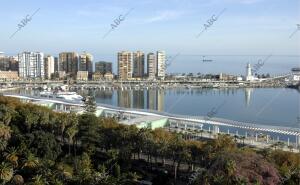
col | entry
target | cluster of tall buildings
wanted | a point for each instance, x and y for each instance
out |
(71, 65)
(35, 65)
(132, 65)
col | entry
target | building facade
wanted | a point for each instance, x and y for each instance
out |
(103, 67)
(31, 65)
(151, 65)
(138, 64)
(108, 76)
(56, 64)
(82, 75)
(86, 62)
(161, 64)
(125, 65)
(9, 75)
(97, 76)
(49, 66)
(68, 62)
(4, 64)
(8, 63)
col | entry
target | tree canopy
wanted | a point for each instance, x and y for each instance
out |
(40, 146)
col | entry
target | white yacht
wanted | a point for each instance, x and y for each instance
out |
(71, 96)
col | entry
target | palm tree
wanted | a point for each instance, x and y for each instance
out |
(38, 180)
(6, 172)
(63, 121)
(4, 131)
(12, 156)
(30, 161)
(230, 168)
(71, 132)
(5, 114)
(5, 134)
(3, 144)
(64, 171)
(18, 180)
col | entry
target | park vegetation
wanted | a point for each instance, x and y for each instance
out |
(39, 146)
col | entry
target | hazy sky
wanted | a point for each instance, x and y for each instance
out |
(247, 27)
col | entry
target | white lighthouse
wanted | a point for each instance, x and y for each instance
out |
(249, 76)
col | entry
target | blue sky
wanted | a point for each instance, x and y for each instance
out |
(247, 27)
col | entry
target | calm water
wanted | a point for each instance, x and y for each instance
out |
(270, 106)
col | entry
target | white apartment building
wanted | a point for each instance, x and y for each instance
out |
(31, 65)
(161, 64)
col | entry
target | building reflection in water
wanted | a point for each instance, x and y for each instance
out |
(141, 99)
(103, 94)
(155, 99)
(124, 98)
(138, 99)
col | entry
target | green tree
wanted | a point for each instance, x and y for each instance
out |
(6, 172)
(11, 155)
(117, 171)
(30, 161)
(18, 180)
(6, 114)
(90, 104)
(44, 145)
(84, 169)
(72, 130)
(5, 135)
(89, 132)
(38, 180)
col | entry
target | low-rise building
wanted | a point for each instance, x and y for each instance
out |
(226, 77)
(97, 76)
(9, 75)
(61, 75)
(294, 77)
(108, 76)
(82, 75)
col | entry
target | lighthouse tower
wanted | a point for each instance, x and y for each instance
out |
(249, 76)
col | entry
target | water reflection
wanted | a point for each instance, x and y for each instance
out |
(242, 104)
(248, 92)
(154, 99)
(141, 99)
